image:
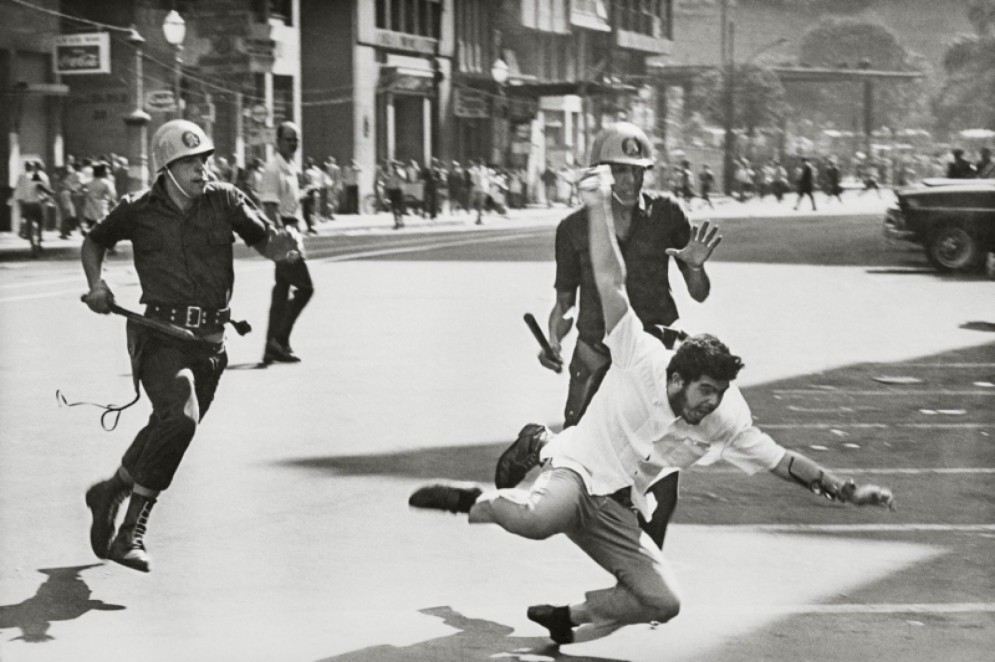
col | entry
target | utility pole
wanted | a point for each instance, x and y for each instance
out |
(728, 68)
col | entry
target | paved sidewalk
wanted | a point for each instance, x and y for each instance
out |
(12, 247)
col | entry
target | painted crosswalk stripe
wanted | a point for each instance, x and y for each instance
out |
(844, 528)
(890, 471)
(875, 426)
(802, 392)
(911, 608)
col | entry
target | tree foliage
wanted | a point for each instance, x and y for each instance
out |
(758, 98)
(854, 44)
(967, 99)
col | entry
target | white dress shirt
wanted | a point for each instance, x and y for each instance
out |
(630, 436)
(281, 185)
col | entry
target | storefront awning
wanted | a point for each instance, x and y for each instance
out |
(407, 80)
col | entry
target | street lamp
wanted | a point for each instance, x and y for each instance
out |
(500, 73)
(137, 122)
(174, 29)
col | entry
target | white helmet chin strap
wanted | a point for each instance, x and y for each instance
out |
(170, 173)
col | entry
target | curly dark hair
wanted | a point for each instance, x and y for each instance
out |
(704, 354)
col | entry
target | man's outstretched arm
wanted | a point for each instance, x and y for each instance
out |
(797, 468)
(606, 256)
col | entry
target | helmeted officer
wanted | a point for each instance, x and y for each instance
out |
(182, 230)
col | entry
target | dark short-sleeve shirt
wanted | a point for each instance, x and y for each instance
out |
(184, 258)
(659, 222)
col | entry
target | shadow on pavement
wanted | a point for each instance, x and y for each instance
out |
(64, 596)
(459, 463)
(477, 639)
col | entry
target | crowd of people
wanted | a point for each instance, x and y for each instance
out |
(806, 174)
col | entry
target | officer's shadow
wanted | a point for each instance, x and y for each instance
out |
(477, 639)
(64, 596)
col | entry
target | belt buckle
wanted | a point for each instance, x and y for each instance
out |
(194, 317)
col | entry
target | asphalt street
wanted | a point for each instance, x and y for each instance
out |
(287, 536)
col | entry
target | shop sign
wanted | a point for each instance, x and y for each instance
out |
(85, 53)
(470, 103)
(404, 42)
(160, 101)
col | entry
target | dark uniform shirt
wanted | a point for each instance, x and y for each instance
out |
(184, 258)
(659, 222)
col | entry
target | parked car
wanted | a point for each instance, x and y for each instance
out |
(952, 219)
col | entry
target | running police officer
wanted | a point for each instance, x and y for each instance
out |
(182, 231)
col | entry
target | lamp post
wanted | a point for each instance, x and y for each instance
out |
(174, 29)
(137, 122)
(500, 72)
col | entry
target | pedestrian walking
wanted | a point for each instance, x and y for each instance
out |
(314, 184)
(985, 167)
(333, 187)
(457, 192)
(68, 220)
(686, 187)
(805, 182)
(834, 181)
(186, 276)
(394, 187)
(99, 194)
(706, 180)
(658, 411)
(549, 181)
(960, 168)
(350, 184)
(280, 193)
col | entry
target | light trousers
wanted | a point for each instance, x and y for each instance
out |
(605, 530)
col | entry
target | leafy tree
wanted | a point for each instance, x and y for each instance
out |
(854, 44)
(758, 98)
(967, 99)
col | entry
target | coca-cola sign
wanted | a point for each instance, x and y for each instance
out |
(84, 53)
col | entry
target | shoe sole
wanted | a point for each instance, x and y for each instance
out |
(508, 452)
(93, 524)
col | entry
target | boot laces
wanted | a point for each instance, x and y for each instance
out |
(137, 537)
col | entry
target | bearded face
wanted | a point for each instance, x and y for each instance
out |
(693, 401)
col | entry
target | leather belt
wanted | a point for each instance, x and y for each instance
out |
(189, 317)
(623, 497)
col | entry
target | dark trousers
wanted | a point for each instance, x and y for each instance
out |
(284, 308)
(180, 379)
(351, 205)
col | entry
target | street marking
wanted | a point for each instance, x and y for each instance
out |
(880, 608)
(894, 471)
(875, 426)
(937, 365)
(799, 392)
(844, 528)
(421, 248)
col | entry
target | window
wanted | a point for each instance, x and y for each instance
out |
(420, 17)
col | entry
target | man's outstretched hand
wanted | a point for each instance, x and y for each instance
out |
(704, 239)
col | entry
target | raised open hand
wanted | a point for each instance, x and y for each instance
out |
(704, 239)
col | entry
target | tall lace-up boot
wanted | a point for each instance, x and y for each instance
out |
(104, 499)
(128, 547)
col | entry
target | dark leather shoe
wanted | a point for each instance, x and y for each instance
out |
(104, 500)
(554, 619)
(278, 353)
(445, 497)
(519, 458)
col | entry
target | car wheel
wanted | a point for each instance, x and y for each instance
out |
(953, 248)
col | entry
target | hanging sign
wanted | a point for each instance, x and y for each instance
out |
(84, 53)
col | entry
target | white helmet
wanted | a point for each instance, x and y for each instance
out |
(177, 139)
(623, 143)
